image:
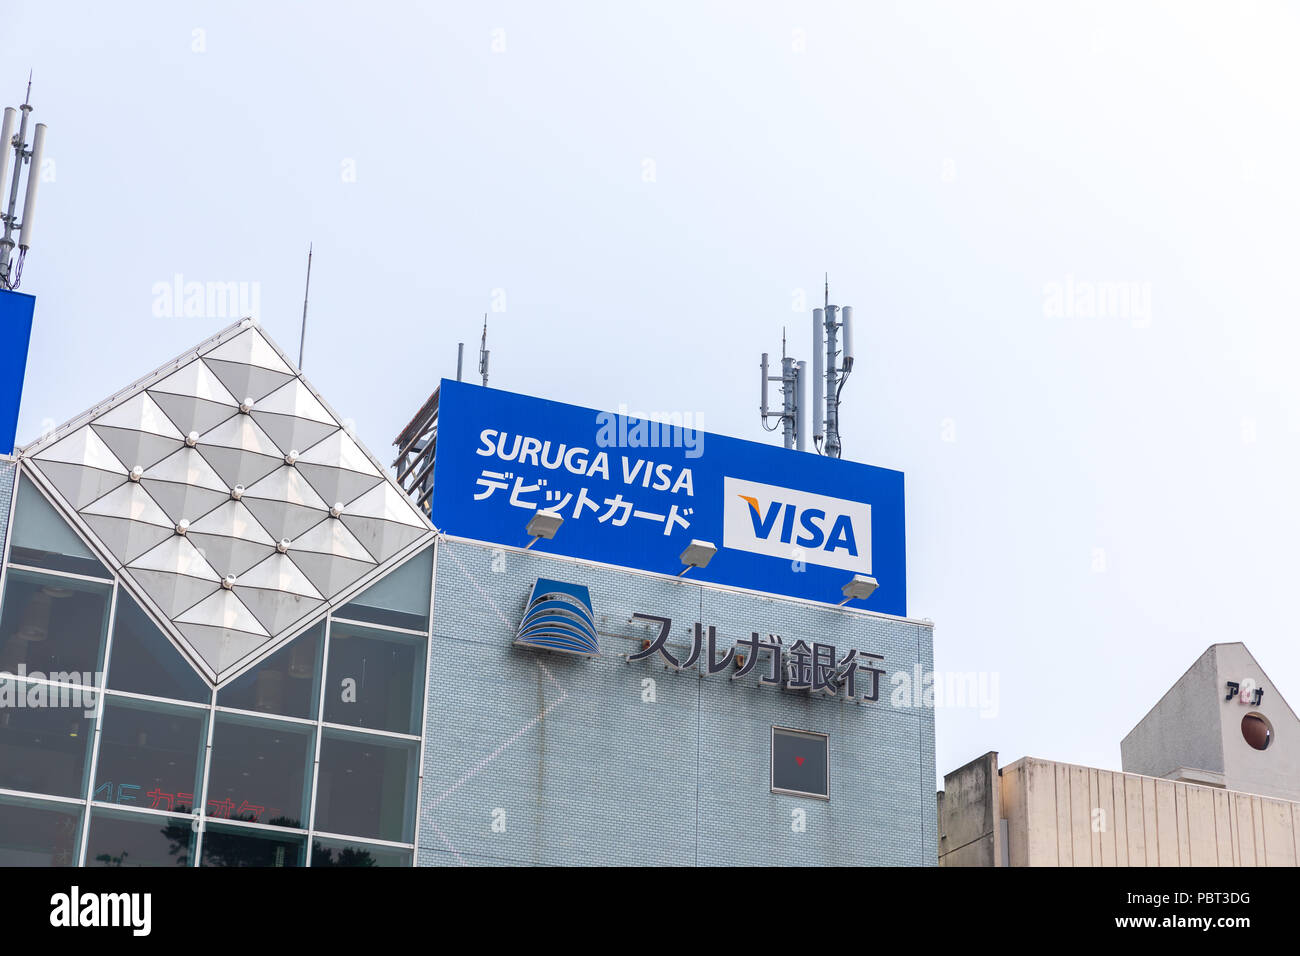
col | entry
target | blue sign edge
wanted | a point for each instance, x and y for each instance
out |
(13, 361)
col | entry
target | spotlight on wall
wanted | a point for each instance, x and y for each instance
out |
(698, 554)
(860, 588)
(544, 524)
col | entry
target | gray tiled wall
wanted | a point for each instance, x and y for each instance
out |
(8, 472)
(580, 769)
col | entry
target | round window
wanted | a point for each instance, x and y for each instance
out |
(1257, 731)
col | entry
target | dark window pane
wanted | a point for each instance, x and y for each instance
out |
(137, 839)
(143, 661)
(54, 627)
(347, 853)
(38, 834)
(259, 771)
(235, 846)
(376, 679)
(285, 683)
(44, 738)
(149, 755)
(399, 599)
(42, 539)
(366, 787)
(799, 762)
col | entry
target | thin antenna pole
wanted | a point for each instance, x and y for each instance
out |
(788, 385)
(18, 146)
(831, 448)
(302, 340)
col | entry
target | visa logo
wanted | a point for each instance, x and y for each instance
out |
(796, 525)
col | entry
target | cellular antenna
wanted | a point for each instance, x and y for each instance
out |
(829, 323)
(24, 153)
(302, 340)
(790, 418)
(483, 352)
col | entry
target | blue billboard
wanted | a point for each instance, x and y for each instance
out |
(635, 492)
(15, 334)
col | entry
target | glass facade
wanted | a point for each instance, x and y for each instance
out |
(153, 766)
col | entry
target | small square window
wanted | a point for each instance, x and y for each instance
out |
(801, 763)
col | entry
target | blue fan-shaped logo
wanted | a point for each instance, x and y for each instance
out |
(559, 618)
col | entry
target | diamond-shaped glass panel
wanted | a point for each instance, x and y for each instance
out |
(230, 497)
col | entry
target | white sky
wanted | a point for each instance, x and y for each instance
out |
(946, 163)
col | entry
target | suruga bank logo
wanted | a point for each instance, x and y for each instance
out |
(558, 618)
(796, 525)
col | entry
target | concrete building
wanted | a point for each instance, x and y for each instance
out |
(1211, 778)
(583, 760)
(228, 638)
(1222, 724)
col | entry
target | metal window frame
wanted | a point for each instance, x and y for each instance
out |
(29, 795)
(9, 525)
(99, 724)
(424, 711)
(352, 622)
(320, 714)
(152, 698)
(70, 575)
(771, 763)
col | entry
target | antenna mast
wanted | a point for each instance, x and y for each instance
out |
(826, 328)
(790, 417)
(11, 270)
(483, 352)
(302, 341)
